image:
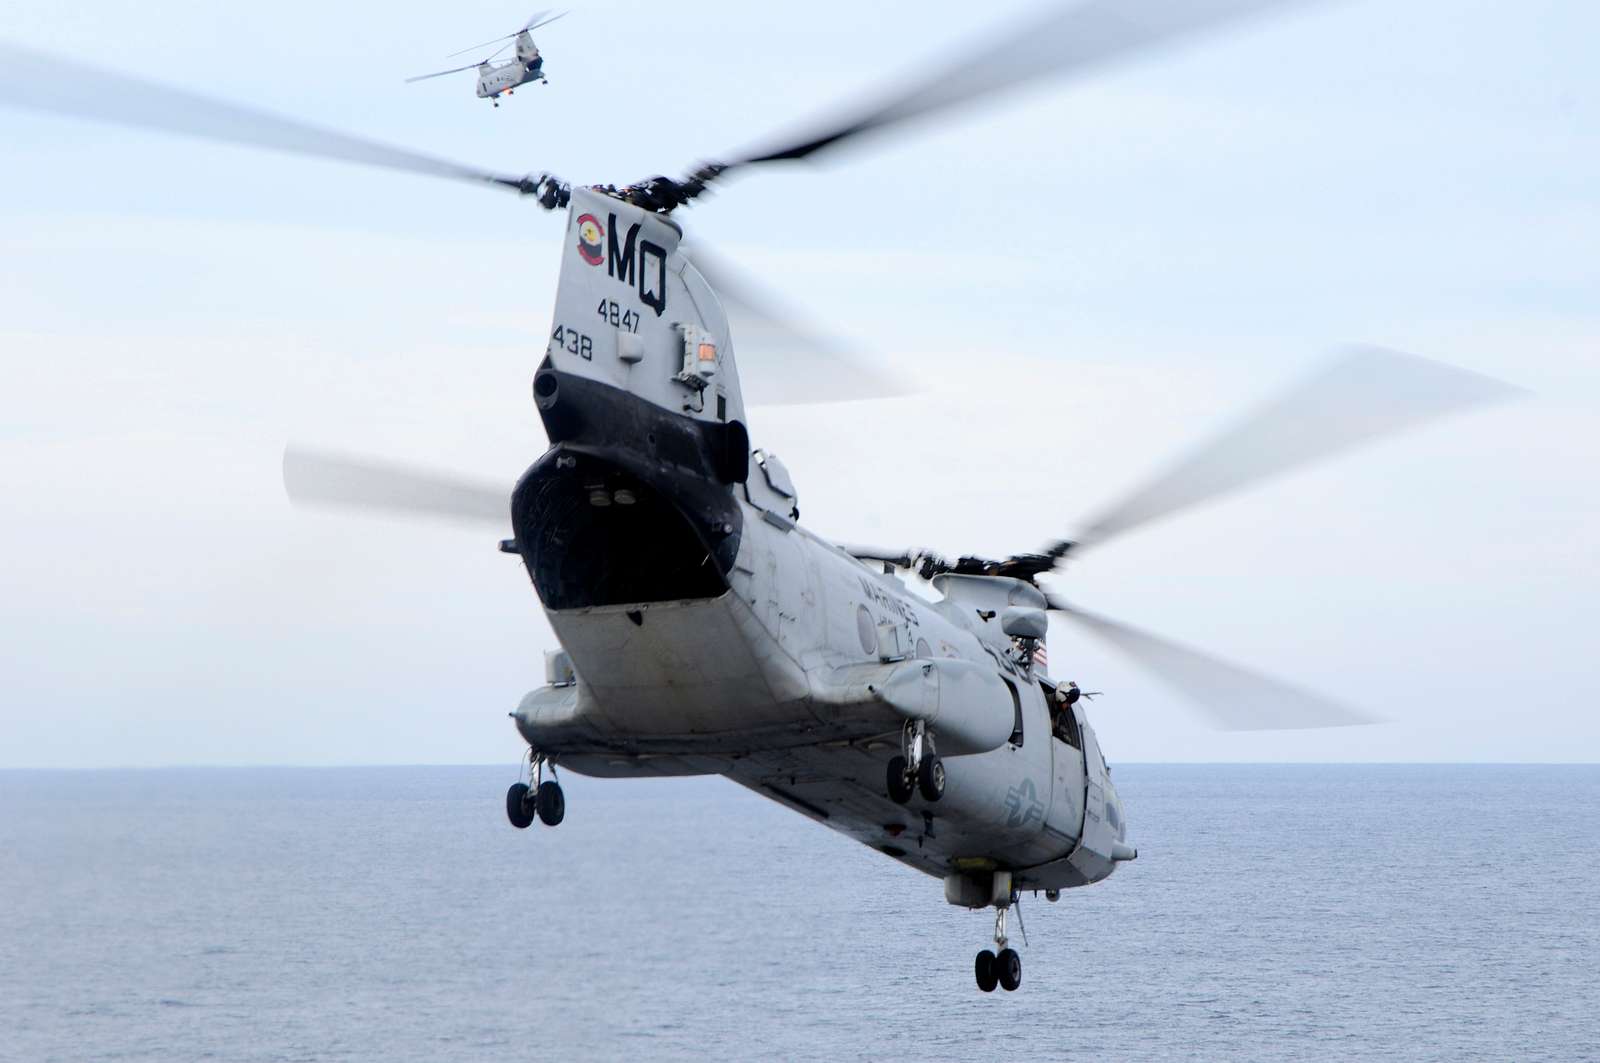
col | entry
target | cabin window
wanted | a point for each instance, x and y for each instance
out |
(866, 631)
(1016, 707)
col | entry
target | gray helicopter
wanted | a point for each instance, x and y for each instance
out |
(502, 79)
(893, 695)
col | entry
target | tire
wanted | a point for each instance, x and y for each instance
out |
(930, 778)
(551, 804)
(1008, 968)
(900, 784)
(519, 810)
(984, 969)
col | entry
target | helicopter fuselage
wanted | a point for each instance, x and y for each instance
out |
(497, 78)
(796, 679)
(710, 633)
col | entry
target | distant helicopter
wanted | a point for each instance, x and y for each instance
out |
(704, 629)
(495, 79)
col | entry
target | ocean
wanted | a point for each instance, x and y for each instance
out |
(1275, 913)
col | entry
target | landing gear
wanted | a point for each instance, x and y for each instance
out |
(1008, 968)
(930, 777)
(917, 767)
(551, 803)
(1003, 968)
(987, 978)
(543, 799)
(900, 782)
(519, 806)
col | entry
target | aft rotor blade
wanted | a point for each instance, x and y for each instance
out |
(787, 363)
(1058, 42)
(442, 73)
(318, 479)
(485, 44)
(48, 83)
(532, 24)
(1232, 697)
(1358, 397)
(902, 559)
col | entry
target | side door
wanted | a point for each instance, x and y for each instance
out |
(1069, 799)
(1100, 830)
(1028, 799)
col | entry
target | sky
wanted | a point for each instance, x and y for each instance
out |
(1082, 281)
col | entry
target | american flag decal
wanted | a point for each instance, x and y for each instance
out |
(1041, 656)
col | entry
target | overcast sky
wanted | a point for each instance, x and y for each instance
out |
(1085, 280)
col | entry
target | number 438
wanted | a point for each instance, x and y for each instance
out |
(573, 342)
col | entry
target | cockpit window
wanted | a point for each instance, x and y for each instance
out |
(1016, 705)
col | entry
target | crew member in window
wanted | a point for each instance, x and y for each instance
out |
(1066, 696)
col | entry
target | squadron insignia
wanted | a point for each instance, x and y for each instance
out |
(590, 233)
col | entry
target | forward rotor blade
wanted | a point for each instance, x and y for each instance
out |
(442, 73)
(1358, 397)
(1233, 698)
(1058, 42)
(788, 363)
(47, 83)
(317, 479)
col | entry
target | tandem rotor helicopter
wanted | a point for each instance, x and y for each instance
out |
(497, 79)
(704, 629)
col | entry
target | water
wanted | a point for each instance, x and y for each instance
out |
(1275, 913)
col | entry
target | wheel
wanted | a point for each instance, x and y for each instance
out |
(1008, 968)
(551, 803)
(900, 782)
(519, 810)
(984, 968)
(930, 778)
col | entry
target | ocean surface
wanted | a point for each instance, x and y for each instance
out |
(1275, 913)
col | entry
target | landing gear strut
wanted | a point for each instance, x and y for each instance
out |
(917, 767)
(1003, 968)
(543, 799)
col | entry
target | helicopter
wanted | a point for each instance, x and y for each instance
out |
(894, 695)
(497, 79)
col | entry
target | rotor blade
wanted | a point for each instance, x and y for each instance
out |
(903, 559)
(545, 22)
(47, 83)
(485, 44)
(1234, 698)
(1358, 397)
(442, 73)
(1057, 42)
(532, 24)
(788, 364)
(317, 479)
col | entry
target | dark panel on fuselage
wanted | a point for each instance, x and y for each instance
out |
(594, 534)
